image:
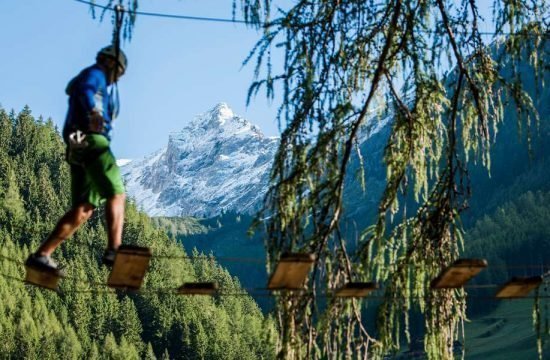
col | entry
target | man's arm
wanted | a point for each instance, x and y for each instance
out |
(87, 94)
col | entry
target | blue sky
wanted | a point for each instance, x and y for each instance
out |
(177, 68)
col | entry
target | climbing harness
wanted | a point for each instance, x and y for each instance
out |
(77, 140)
(75, 148)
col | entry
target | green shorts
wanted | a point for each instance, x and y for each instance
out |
(97, 176)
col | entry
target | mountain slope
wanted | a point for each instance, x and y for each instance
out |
(219, 162)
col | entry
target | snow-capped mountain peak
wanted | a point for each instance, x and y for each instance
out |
(220, 161)
(222, 121)
(218, 115)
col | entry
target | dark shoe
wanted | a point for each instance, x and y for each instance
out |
(109, 257)
(43, 262)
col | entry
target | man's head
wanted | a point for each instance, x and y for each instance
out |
(113, 63)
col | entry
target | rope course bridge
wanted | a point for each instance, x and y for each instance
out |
(288, 278)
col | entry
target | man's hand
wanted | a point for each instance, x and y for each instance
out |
(96, 121)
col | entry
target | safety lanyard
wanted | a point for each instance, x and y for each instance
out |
(114, 100)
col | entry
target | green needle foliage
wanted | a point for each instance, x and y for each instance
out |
(424, 65)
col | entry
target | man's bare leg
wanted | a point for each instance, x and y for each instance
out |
(65, 228)
(114, 211)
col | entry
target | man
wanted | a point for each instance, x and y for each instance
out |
(95, 176)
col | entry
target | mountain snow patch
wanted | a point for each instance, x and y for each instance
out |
(219, 162)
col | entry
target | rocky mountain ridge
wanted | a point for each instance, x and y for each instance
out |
(219, 162)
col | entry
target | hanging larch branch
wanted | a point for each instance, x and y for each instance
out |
(424, 66)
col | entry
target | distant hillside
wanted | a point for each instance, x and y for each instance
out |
(226, 237)
(515, 240)
(179, 226)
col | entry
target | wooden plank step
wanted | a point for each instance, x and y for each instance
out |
(291, 271)
(519, 287)
(356, 289)
(456, 275)
(131, 264)
(198, 288)
(43, 276)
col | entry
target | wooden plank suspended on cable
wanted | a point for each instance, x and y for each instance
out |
(456, 275)
(198, 288)
(43, 276)
(356, 289)
(291, 271)
(131, 264)
(519, 287)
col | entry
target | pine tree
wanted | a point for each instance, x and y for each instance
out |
(127, 351)
(12, 213)
(149, 354)
(110, 347)
(128, 323)
(5, 132)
